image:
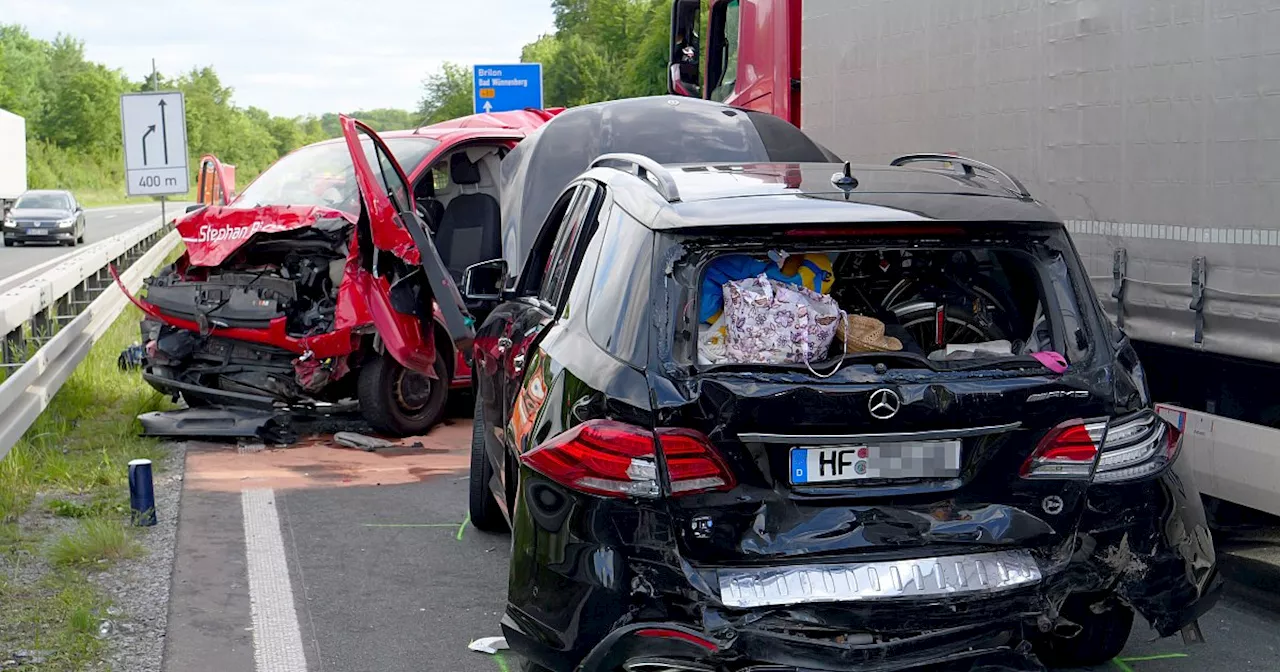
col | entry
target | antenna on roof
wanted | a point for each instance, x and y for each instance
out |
(845, 180)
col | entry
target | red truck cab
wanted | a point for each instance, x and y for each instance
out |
(752, 57)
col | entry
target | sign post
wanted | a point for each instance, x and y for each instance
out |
(503, 88)
(154, 128)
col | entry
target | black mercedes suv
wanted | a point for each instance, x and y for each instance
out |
(970, 469)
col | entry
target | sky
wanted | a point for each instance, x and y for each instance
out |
(294, 57)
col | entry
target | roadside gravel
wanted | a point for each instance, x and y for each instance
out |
(134, 629)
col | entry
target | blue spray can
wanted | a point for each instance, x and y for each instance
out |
(142, 495)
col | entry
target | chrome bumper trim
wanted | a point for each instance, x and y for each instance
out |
(983, 573)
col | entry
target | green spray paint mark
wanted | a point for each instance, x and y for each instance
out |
(463, 526)
(450, 525)
(1162, 656)
(1121, 665)
(502, 662)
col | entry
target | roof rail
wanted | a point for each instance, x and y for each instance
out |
(967, 168)
(644, 168)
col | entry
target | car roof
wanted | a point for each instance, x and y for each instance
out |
(498, 124)
(716, 195)
(64, 192)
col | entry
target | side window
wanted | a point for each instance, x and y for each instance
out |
(385, 171)
(618, 309)
(559, 264)
(726, 31)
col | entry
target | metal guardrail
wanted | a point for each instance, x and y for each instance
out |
(49, 322)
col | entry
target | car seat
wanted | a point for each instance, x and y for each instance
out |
(470, 229)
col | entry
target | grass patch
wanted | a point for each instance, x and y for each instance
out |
(57, 617)
(74, 460)
(96, 542)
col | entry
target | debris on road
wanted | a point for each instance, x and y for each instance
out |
(131, 357)
(490, 645)
(226, 422)
(361, 441)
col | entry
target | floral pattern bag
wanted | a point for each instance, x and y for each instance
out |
(770, 322)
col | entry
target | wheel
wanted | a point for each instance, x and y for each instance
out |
(8, 243)
(959, 326)
(80, 238)
(1102, 636)
(485, 514)
(400, 402)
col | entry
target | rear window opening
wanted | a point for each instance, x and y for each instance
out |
(941, 306)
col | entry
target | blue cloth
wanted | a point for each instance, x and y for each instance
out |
(737, 267)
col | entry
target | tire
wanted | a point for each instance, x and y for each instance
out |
(485, 514)
(8, 243)
(960, 326)
(1101, 638)
(80, 238)
(399, 402)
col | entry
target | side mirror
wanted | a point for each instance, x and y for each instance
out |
(483, 281)
(193, 208)
(684, 67)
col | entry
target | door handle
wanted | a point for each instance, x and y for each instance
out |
(517, 363)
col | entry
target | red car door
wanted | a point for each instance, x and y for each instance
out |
(401, 273)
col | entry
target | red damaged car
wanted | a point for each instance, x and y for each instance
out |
(334, 276)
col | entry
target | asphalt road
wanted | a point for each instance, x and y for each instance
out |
(383, 575)
(100, 224)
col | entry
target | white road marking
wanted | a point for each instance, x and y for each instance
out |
(277, 638)
(110, 217)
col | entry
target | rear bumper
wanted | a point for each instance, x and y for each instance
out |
(747, 649)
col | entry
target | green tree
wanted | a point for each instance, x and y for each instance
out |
(446, 94)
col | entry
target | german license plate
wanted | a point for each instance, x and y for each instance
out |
(898, 459)
(37, 232)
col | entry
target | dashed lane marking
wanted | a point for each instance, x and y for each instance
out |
(110, 216)
(277, 639)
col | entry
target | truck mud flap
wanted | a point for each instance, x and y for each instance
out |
(225, 422)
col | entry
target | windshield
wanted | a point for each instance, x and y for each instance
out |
(44, 201)
(322, 175)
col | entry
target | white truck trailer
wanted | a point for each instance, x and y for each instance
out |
(13, 158)
(1151, 126)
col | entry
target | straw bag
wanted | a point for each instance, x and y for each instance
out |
(865, 334)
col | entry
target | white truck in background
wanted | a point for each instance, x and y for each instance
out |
(1151, 126)
(13, 159)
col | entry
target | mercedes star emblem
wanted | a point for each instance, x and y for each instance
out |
(884, 404)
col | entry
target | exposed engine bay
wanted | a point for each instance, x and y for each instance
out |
(296, 278)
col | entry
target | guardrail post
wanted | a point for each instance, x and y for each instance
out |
(41, 327)
(15, 347)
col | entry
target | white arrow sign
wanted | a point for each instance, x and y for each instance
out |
(154, 127)
(488, 107)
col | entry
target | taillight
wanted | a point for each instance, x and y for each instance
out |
(1135, 447)
(1124, 449)
(614, 459)
(1067, 451)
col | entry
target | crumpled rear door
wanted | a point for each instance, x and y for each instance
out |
(405, 273)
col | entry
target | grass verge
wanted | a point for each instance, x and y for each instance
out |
(64, 505)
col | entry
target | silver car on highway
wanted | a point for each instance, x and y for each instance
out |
(45, 216)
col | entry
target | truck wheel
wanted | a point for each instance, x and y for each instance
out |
(8, 243)
(400, 402)
(485, 514)
(1102, 635)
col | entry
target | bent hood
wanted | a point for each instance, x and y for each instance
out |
(215, 233)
